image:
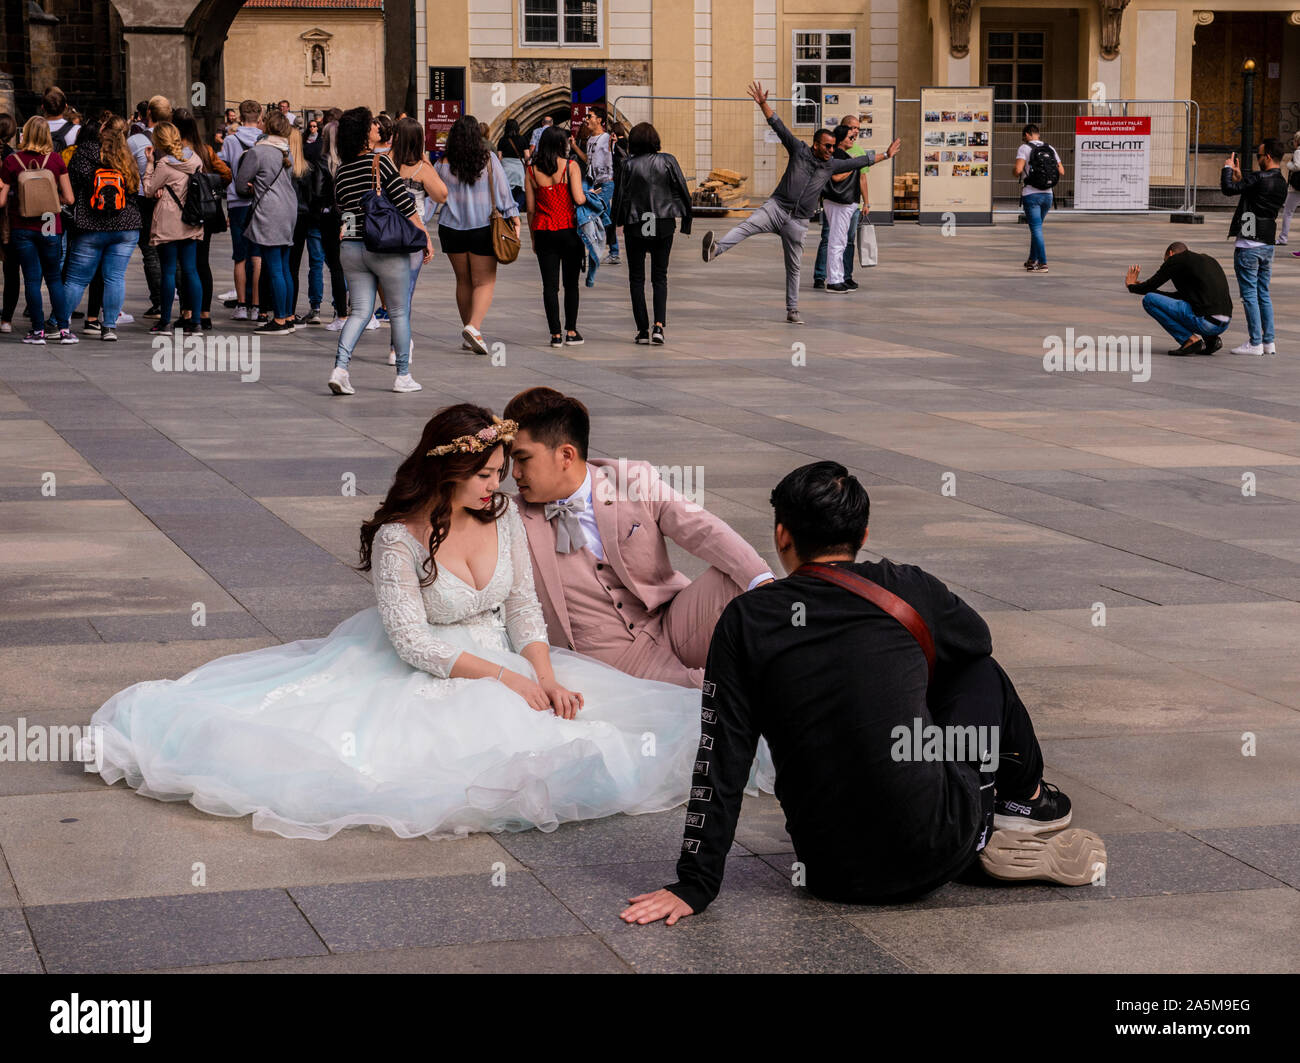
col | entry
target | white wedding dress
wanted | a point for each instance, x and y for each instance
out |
(365, 727)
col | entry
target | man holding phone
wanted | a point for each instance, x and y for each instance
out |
(1254, 224)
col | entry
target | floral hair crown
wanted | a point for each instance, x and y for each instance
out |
(484, 439)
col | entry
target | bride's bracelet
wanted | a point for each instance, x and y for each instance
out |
(500, 672)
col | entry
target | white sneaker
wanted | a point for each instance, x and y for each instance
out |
(240, 314)
(474, 338)
(337, 324)
(340, 384)
(5, 326)
(1270, 348)
(392, 354)
(232, 294)
(125, 319)
(373, 323)
(1249, 348)
(405, 383)
(66, 335)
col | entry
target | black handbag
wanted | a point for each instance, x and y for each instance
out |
(384, 229)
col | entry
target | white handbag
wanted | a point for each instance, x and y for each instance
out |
(866, 244)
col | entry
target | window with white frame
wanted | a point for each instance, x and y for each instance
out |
(561, 22)
(822, 58)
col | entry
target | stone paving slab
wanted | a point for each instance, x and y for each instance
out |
(111, 844)
(458, 909)
(153, 932)
(1251, 931)
(579, 954)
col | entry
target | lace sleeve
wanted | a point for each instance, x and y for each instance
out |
(524, 619)
(401, 606)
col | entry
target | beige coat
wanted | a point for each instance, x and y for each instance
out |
(160, 175)
(632, 533)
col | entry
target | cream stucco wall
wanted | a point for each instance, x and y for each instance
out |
(265, 58)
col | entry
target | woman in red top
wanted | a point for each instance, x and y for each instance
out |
(38, 240)
(553, 187)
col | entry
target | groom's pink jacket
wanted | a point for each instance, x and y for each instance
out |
(632, 531)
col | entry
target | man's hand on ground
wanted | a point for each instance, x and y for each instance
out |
(1132, 276)
(651, 907)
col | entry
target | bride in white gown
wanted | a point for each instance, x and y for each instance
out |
(441, 711)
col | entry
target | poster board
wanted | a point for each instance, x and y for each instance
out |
(956, 155)
(439, 117)
(874, 106)
(1112, 162)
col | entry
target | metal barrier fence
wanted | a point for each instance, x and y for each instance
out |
(730, 133)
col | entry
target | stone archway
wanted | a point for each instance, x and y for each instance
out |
(174, 47)
(529, 110)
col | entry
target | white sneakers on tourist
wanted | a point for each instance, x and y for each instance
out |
(1249, 348)
(337, 324)
(340, 383)
(1270, 348)
(373, 323)
(474, 339)
(405, 383)
(232, 294)
(125, 319)
(5, 326)
(392, 354)
(240, 314)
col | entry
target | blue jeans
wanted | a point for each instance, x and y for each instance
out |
(88, 254)
(316, 268)
(275, 264)
(819, 268)
(38, 255)
(174, 254)
(365, 270)
(1177, 317)
(1036, 205)
(1254, 268)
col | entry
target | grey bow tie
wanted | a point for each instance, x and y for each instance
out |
(569, 535)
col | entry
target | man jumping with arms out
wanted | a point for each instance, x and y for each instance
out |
(788, 209)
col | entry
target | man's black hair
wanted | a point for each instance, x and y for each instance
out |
(551, 418)
(823, 508)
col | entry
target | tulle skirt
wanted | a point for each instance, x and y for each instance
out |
(322, 734)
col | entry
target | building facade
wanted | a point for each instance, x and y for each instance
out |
(662, 60)
(316, 54)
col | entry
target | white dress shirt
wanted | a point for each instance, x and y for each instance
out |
(587, 521)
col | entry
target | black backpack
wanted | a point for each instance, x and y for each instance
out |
(205, 202)
(1041, 171)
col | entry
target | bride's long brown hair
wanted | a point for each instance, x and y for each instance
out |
(422, 480)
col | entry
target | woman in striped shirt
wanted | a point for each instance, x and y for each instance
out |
(358, 134)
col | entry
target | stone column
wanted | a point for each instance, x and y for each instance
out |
(158, 63)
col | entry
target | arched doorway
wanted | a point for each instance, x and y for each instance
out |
(547, 101)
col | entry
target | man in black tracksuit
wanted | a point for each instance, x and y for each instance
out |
(1200, 308)
(839, 689)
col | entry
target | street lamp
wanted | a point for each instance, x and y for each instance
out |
(1247, 156)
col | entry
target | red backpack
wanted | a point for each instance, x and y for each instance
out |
(107, 192)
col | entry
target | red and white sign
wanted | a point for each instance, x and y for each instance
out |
(1112, 162)
(578, 115)
(439, 117)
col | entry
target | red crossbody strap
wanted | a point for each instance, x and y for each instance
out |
(878, 596)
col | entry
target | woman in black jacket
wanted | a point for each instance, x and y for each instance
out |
(650, 198)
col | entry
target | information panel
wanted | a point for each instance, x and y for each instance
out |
(1112, 163)
(439, 117)
(874, 106)
(957, 156)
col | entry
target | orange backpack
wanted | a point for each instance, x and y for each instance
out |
(107, 192)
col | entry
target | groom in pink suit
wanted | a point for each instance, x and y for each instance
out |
(596, 533)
